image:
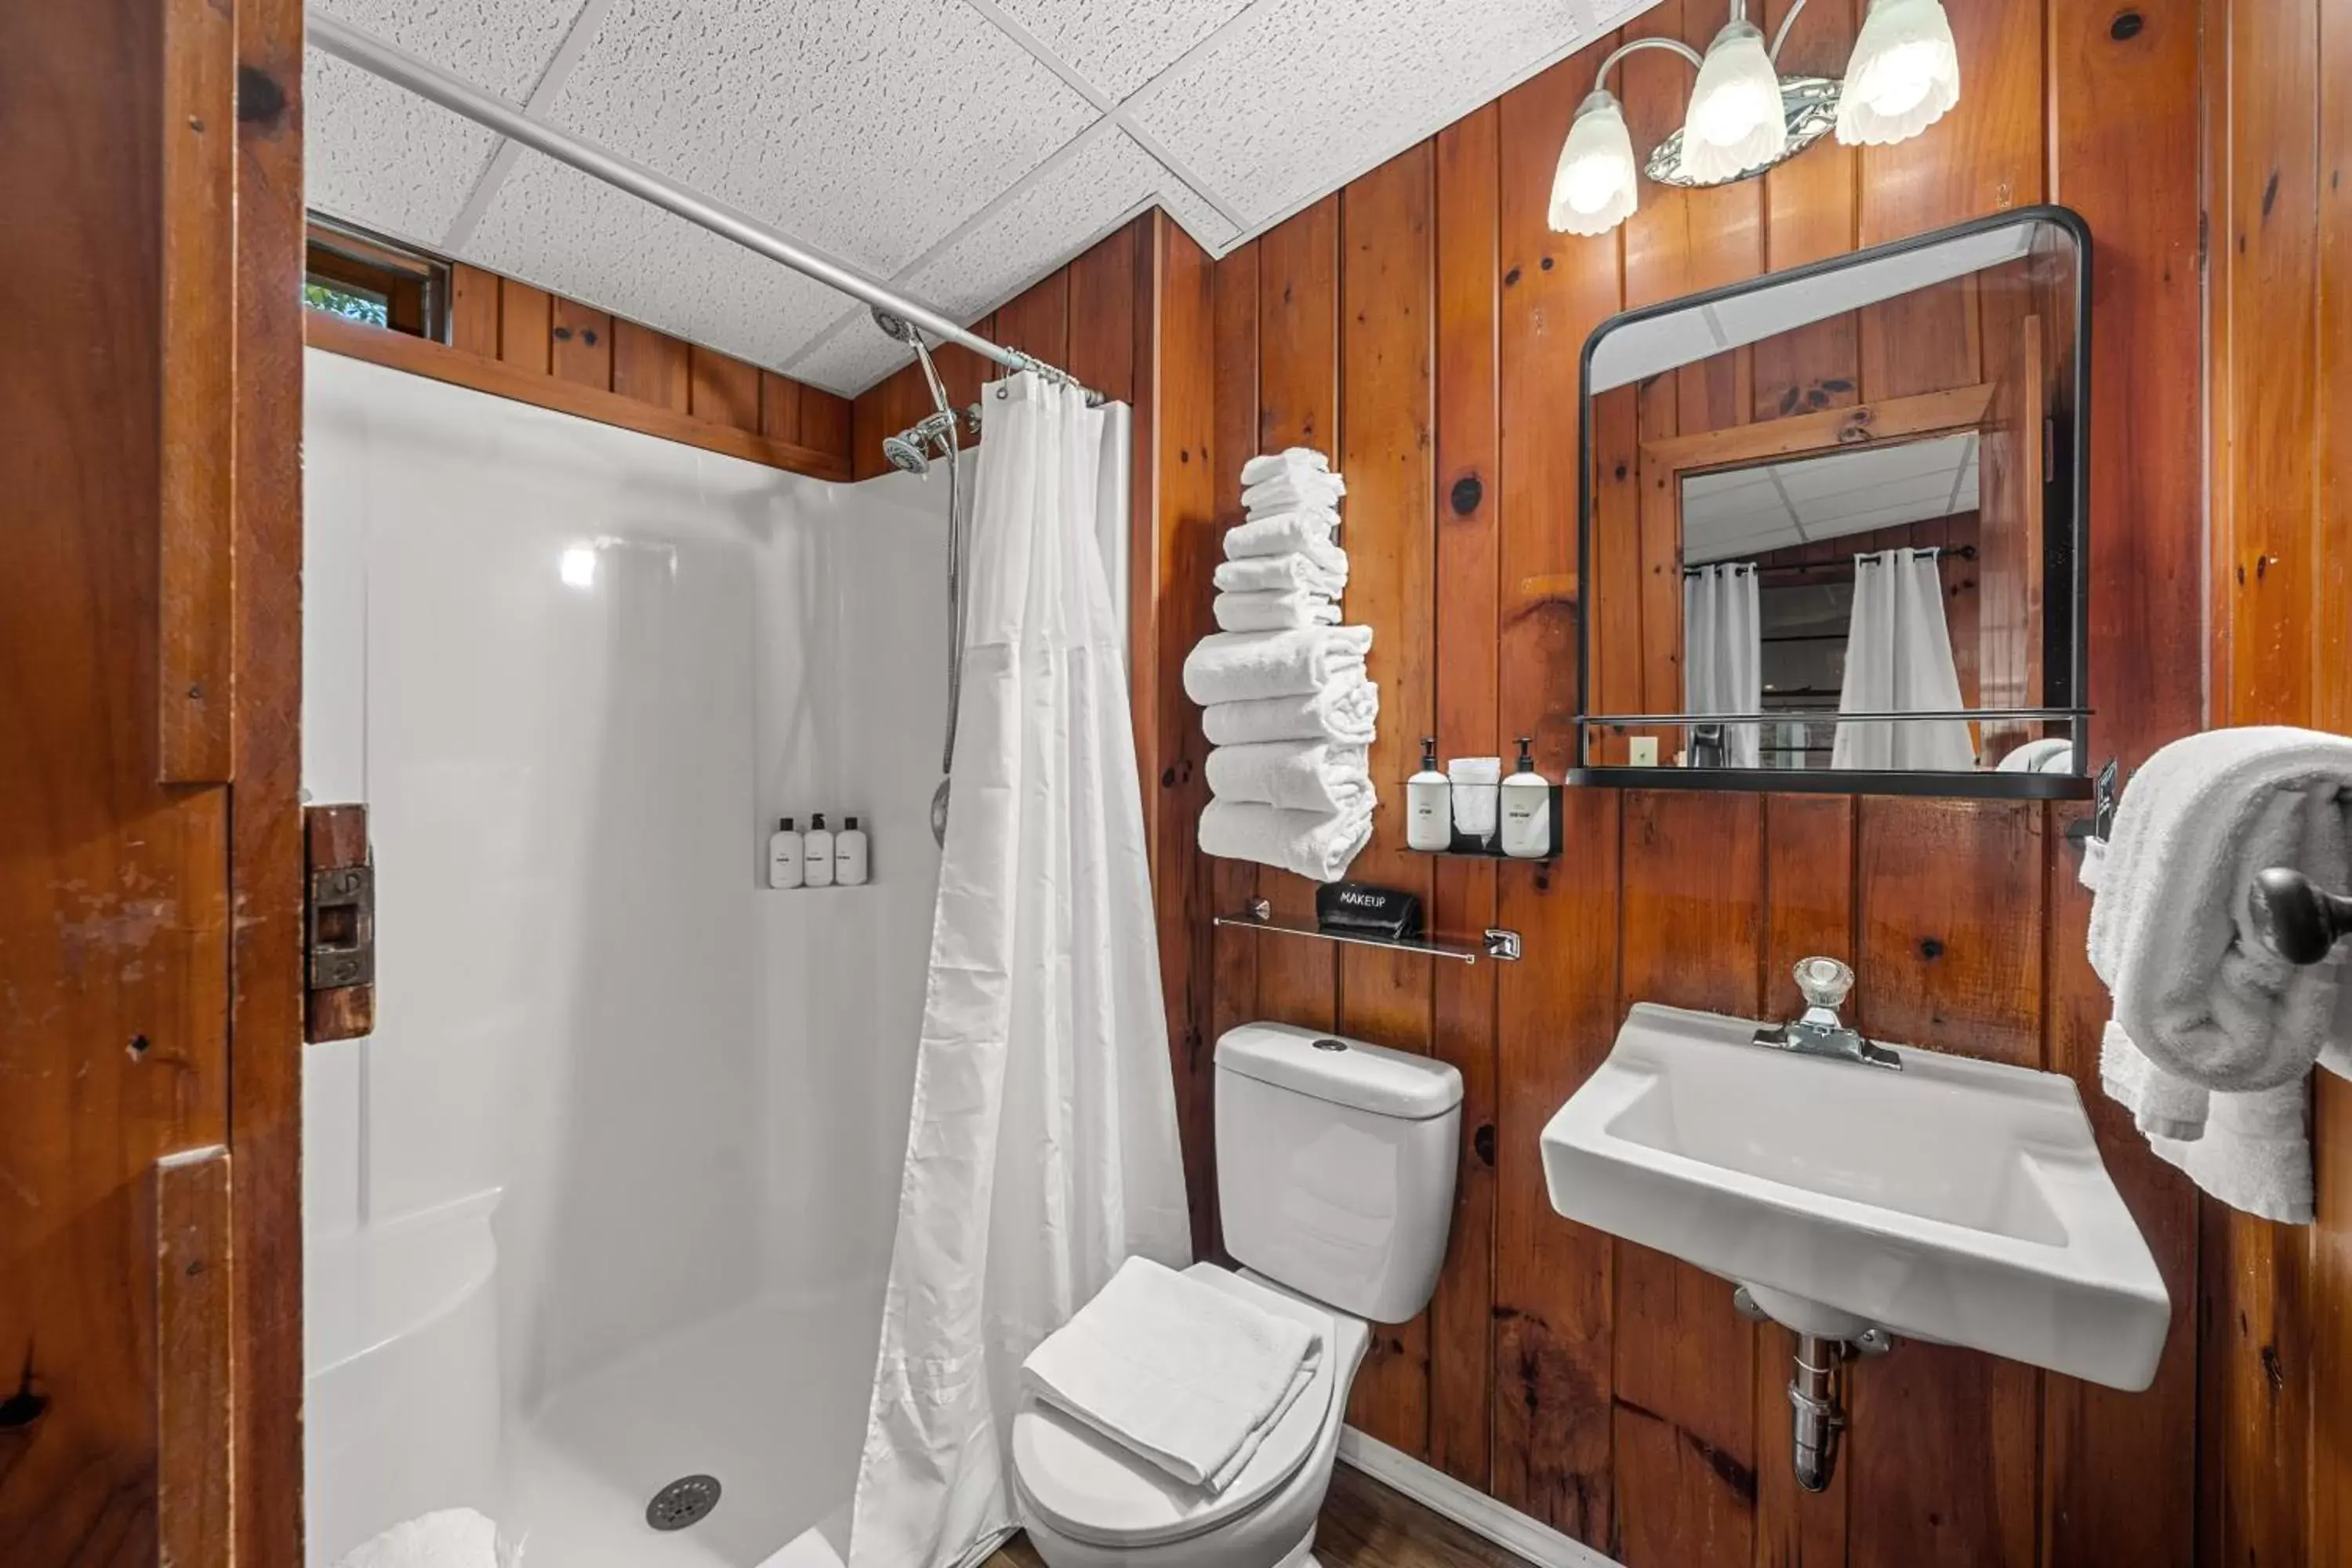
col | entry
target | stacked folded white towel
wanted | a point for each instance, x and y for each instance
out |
(1176, 1371)
(1282, 685)
(2214, 1035)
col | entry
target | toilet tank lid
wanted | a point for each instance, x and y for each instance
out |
(1343, 1071)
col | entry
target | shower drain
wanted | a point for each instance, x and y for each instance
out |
(683, 1502)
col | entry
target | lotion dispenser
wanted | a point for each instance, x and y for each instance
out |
(785, 855)
(1429, 803)
(1526, 810)
(849, 854)
(816, 853)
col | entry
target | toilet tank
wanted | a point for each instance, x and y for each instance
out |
(1335, 1165)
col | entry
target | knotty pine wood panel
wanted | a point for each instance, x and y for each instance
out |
(265, 825)
(115, 924)
(1683, 1390)
(474, 311)
(1387, 395)
(650, 367)
(723, 389)
(1555, 1017)
(1298, 406)
(1038, 321)
(1469, 637)
(525, 324)
(1178, 419)
(580, 346)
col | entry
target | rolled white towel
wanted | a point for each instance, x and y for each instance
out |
(451, 1538)
(1299, 775)
(1280, 574)
(1346, 710)
(1319, 845)
(1308, 534)
(1273, 612)
(1287, 490)
(2170, 930)
(1241, 666)
(1289, 460)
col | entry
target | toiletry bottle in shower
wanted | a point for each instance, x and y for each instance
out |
(785, 855)
(849, 854)
(1428, 803)
(816, 853)
(1526, 810)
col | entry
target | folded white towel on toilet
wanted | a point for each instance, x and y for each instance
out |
(1348, 710)
(1299, 776)
(1282, 574)
(1242, 667)
(1273, 612)
(1317, 846)
(1289, 460)
(452, 1538)
(1311, 533)
(1181, 1374)
(1292, 487)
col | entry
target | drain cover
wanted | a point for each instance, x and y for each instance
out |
(683, 1502)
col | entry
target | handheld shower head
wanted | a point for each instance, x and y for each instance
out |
(912, 449)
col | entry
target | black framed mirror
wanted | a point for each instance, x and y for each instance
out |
(1830, 525)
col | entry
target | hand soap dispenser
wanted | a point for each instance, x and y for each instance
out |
(1429, 803)
(1526, 810)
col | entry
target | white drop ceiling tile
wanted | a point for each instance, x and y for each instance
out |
(551, 226)
(869, 130)
(1304, 94)
(851, 360)
(501, 45)
(1054, 218)
(1119, 47)
(382, 158)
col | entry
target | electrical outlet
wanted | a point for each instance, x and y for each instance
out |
(1645, 751)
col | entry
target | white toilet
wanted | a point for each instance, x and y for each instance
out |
(1335, 1172)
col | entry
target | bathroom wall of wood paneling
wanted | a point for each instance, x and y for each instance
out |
(1423, 325)
(2276, 1485)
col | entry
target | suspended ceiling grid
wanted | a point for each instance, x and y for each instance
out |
(961, 149)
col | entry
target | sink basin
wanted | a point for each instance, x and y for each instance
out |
(1957, 1200)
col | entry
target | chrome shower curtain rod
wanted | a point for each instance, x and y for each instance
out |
(460, 97)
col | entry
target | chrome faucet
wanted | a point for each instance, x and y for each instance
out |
(1824, 982)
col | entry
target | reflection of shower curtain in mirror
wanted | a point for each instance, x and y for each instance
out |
(1723, 653)
(1898, 659)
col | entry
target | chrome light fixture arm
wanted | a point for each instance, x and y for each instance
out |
(1672, 45)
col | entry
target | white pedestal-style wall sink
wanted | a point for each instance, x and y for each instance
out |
(1956, 1200)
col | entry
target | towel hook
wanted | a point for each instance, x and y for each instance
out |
(2299, 922)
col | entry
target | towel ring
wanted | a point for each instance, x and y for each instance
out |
(2299, 922)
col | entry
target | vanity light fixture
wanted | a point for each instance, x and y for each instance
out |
(1745, 117)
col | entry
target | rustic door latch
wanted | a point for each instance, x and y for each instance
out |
(339, 924)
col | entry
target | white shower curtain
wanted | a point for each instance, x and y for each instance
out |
(1042, 1149)
(1723, 653)
(1898, 659)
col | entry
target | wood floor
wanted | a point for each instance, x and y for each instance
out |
(1365, 1525)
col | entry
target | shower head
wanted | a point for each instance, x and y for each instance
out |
(913, 448)
(895, 328)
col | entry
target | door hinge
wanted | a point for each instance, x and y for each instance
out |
(339, 924)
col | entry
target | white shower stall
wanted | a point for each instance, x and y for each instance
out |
(607, 1199)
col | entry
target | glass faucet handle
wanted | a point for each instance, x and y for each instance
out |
(1823, 981)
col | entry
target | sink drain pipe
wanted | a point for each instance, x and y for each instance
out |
(1817, 1402)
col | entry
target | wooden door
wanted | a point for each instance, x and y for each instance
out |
(150, 858)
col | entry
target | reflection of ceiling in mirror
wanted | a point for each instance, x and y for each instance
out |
(1642, 349)
(1743, 512)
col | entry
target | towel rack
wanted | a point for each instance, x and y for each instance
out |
(2299, 922)
(1494, 943)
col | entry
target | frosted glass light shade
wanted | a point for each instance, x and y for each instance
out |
(1905, 74)
(1736, 122)
(1594, 189)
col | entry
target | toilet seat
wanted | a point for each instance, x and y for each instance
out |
(1092, 1490)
